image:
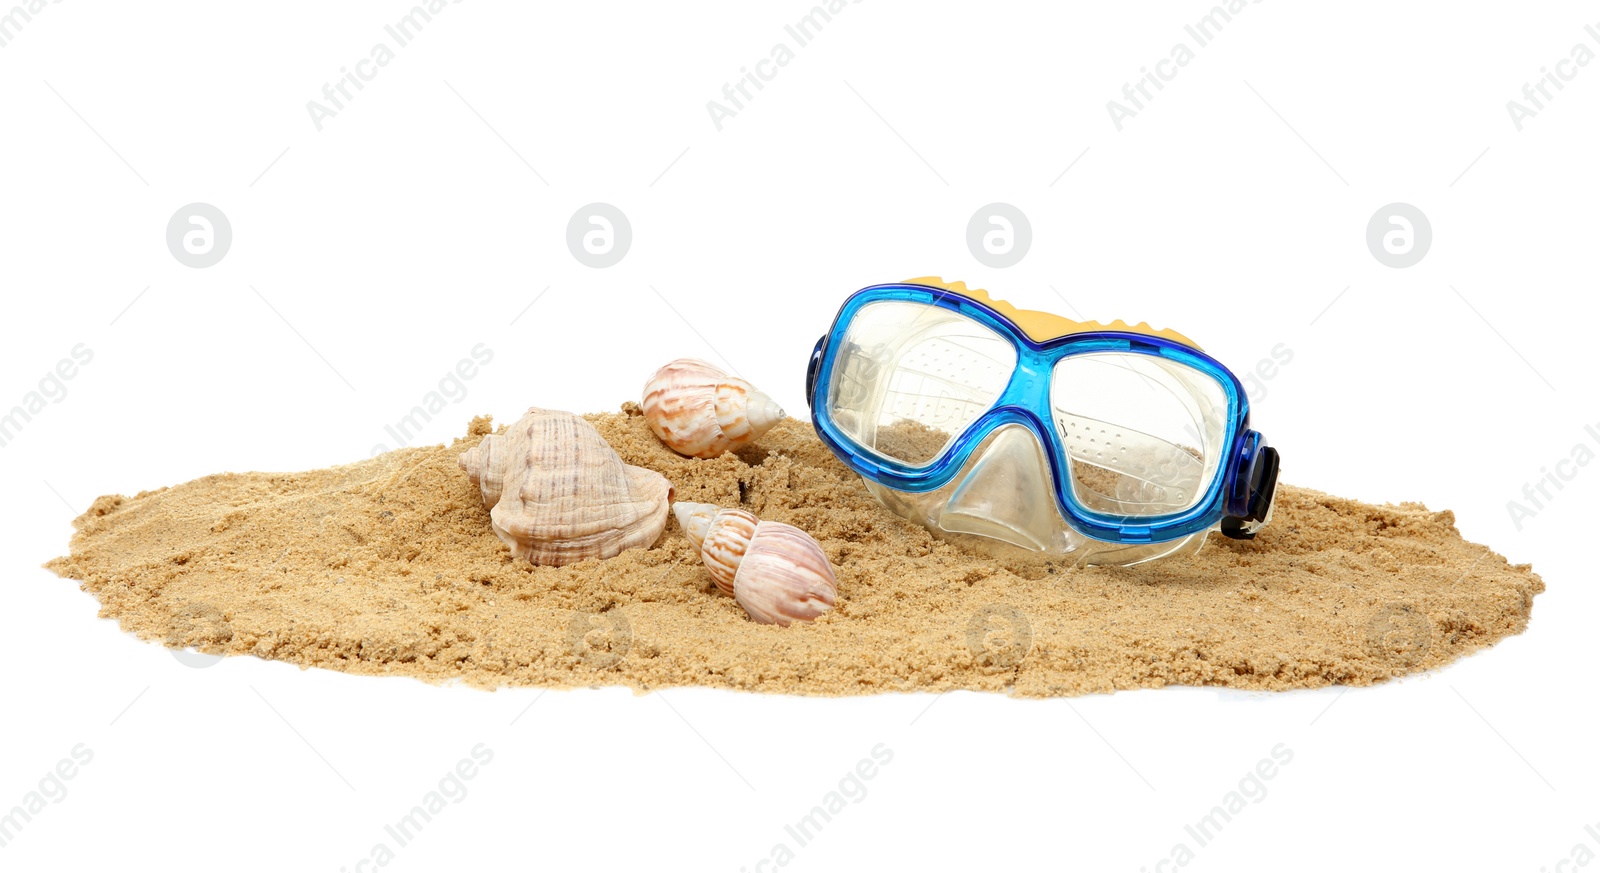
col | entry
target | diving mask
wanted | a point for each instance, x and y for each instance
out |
(1110, 444)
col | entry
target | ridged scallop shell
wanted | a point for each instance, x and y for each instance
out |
(558, 493)
(776, 571)
(700, 411)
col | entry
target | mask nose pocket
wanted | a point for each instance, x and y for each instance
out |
(1006, 493)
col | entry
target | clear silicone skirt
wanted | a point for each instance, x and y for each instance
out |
(995, 505)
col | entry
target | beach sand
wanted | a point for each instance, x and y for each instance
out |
(388, 567)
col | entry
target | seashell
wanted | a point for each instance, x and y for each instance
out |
(557, 492)
(720, 535)
(700, 411)
(776, 571)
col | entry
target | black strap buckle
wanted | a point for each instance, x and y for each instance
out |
(812, 367)
(1263, 485)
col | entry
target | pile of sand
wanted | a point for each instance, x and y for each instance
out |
(388, 566)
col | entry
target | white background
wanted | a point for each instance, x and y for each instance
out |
(415, 225)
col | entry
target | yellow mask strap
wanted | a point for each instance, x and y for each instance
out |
(1043, 326)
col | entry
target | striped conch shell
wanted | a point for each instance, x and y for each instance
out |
(700, 411)
(557, 492)
(776, 571)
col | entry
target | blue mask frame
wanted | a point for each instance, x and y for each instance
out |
(1239, 497)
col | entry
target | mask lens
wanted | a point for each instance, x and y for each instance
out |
(908, 378)
(1143, 434)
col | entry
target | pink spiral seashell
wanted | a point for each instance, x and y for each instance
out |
(776, 571)
(700, 411)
